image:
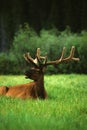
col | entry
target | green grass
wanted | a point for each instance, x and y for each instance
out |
(65, 108)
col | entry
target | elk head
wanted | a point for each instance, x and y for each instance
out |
(40, 63)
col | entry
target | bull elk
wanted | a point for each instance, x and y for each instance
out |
(36, 88)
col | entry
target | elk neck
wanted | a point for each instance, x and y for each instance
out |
(40, 86)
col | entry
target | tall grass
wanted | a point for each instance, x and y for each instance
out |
(65, 108)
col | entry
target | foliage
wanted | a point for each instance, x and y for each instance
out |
(65, 108)
(51, 41)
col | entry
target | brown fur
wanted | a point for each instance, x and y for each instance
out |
(30, 90)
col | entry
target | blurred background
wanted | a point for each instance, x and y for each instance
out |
(48, 24)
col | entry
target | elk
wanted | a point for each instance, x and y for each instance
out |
(35, 89)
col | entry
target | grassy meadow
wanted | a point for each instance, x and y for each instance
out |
(65, 108)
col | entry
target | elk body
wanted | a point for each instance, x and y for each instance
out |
(36, 88)
(31, 90)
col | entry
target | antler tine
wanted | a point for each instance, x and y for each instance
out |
(29, 59)
(72, 52)
(25, 57)
(62, 54)
(71, 57)
(45, 59)
(38, 53)
(38, 56)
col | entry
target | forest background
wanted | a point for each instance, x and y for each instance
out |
(48, 24)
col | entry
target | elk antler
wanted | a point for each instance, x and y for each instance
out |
(62, 59)
(41, 61)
